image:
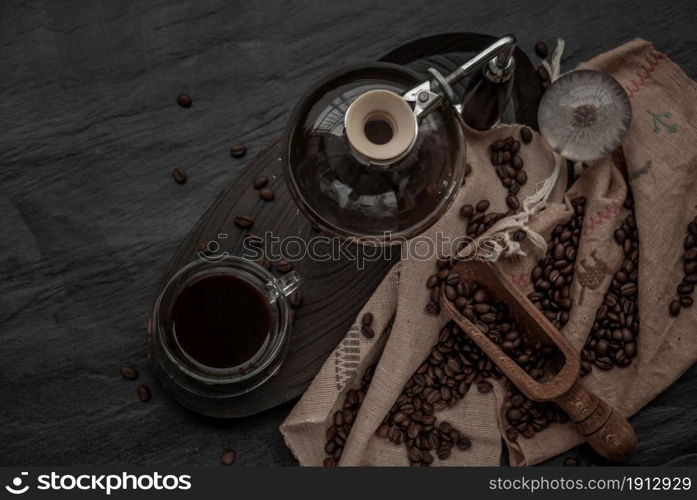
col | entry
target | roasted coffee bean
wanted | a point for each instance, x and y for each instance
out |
(260, 182)
(267, 194)
(433, 308)
(184, 100)
(284, 266)
(541, 49)
(144, 393)
(467, 211)
(482, 206)
(512, 202)
(296, 299)
(432, 281)
(521, 177)
(367, 319)
(179, 176)
(526, 135)
(675, 307)
(228, 457)
(520, 235)
(484, 387)
(517, 162)
(129, 372)
(367, 331)
(571, 462)
(244, 221)
(238, 151)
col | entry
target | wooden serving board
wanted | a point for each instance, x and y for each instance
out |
(334, 291)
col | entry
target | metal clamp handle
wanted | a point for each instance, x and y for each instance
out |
(427, 98)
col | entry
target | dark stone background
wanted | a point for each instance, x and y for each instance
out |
(89, 214)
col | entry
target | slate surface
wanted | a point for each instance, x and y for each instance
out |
(89, 215)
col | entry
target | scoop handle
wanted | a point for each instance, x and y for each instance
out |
(605, 429)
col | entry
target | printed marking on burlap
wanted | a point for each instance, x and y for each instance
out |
(640, 171)
(591, 276)
(347, 358)
(644, 73)
(601, 217)
(661, 121)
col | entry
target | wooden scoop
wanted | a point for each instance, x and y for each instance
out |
(605, 429)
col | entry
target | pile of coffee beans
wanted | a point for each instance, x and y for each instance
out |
(453, 365)
(478, 220)
(687, 285)
(509, 167)
(613, 337)
(526, 417)
(553, 275)
(343, 419)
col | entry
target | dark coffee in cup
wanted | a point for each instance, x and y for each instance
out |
(221, 322)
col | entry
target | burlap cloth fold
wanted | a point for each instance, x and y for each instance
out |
(660, 153)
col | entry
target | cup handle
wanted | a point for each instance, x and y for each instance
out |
(285, 286)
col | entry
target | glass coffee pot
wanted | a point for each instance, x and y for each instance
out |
(376, 155)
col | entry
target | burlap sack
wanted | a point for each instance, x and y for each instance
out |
(660, 156)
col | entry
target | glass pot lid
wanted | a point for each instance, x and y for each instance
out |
(386, 175)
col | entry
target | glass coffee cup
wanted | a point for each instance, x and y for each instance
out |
(218, 330)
